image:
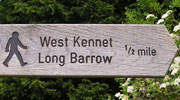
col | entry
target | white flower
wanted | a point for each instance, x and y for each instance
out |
(164, 85)
(177, 81)
(148, 94)
(166, 78)
(150, 15)
(125, 97)
(174, 71)
(176, 28)
(177, 60)
(160, 21)
(174, 36)
(157, 83)
(173, 66)
(119, 95)
(164, 16)
(142, 89)
(130, 89)
(169, 12)
(128, 79)
(127, 82)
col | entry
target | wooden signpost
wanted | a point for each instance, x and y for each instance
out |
(85, 50)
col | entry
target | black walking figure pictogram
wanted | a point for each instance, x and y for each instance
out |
(13, 43)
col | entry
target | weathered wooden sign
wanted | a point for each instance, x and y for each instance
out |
(85, 50)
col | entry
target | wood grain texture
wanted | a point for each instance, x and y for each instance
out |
(122, 64)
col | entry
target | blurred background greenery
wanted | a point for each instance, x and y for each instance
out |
(87, 12)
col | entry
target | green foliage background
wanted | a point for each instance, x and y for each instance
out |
(82, 11)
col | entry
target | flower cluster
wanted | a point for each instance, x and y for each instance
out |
(164, 16)
(127, 82)
(129, 90)
(176, 28)
(144, 88)
(175, 66)
(149, 16)
(164, 85)
(174, 36)
(121, 96)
